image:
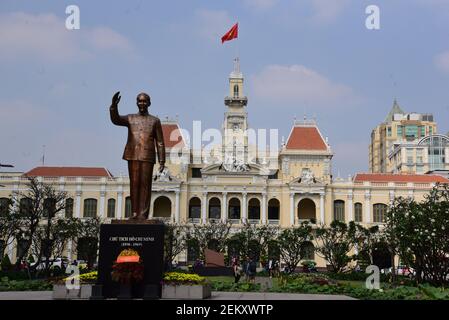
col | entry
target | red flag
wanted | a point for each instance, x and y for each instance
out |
(231, 34)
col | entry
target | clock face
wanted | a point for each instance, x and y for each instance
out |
(235, 126)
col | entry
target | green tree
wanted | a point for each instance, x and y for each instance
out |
(205, 234)
(335, 244)
(34, 212)
(420, 232)
(175, 242)
(87, 240)
(291, 242)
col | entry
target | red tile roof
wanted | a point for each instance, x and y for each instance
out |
(306, 138)
(386, 177)
(172, 135)
(68, 172)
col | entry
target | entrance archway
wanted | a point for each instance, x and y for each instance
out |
(162, 207)
(306, 209)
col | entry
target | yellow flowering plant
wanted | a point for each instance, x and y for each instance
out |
(179, 278)
(89, 277)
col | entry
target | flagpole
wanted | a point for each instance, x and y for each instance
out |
(237, 45)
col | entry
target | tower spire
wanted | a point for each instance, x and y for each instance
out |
(237, 65)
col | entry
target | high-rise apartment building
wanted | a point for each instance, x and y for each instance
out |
(397, 129)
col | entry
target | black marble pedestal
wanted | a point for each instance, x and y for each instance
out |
(147, 239)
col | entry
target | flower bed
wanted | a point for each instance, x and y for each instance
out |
(178, 285)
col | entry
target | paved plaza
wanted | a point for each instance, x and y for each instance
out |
(216, 295)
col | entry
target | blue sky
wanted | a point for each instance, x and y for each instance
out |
(312, 57)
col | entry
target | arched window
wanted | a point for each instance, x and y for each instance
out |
(111, 208)
(69, 208)
(339, 210)
(195, 208)
(437, 145)
(90, 208)
(128, 208)
(214, 208)
(25, 206)
(49, 207)
(254, 209)
(234, 209)
(162, 207)
(379, 210)
(306, 210)
(4, 207)
(273, 209)
(236, 90)
(358, 213)
(308, 250)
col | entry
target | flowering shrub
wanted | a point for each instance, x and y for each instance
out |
(85, 277)
(178, 278)
(127, 272)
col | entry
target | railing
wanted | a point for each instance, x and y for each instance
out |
(380, 184)
(273, 222)
(194, 220)
(253, 221)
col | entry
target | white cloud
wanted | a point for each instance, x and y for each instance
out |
(442, 61)
(44, 36)
(261, 4)
(213, 24)
(299, 84)
(326, 11)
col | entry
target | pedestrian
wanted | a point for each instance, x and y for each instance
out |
(237, 269)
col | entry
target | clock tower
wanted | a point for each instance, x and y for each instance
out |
(235, 125)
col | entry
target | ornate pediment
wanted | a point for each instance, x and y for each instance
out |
(236, 169)
(165, 177)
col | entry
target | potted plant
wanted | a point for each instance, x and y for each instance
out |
(179, 285)
(127, 271)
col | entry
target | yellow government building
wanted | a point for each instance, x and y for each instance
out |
(283, 189)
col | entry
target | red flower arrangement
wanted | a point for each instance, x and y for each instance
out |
(128, 268)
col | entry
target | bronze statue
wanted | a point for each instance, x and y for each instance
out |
(144, 138)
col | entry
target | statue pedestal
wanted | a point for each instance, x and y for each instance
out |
(147, 239)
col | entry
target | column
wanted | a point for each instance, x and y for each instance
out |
(203, 208)
(11, 250)
(102, 203)
(118, 212)
(350, 207)
(78, 204)
(244, 208)
(367, 206)
(177, 212)
(391, 196)
(292, 208)
(264, 208)
(78, 197)
(224, 207)
(69, 250)
(322, 208)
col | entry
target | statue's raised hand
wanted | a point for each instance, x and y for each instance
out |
(116, 98)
